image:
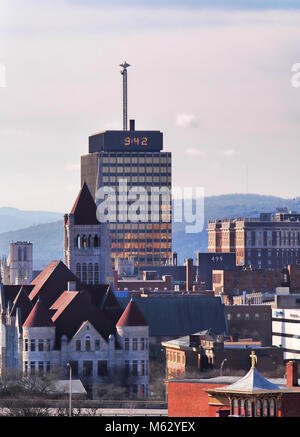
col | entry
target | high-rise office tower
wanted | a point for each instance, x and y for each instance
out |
(132, 164)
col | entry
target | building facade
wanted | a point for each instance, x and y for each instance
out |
(269, 241)
(132, 167)
(17, 269)
(44, 328)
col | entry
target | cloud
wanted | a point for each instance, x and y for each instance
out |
(228, 153)
(193, 151)
(186, 120)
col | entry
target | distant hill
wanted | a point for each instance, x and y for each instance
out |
(12, 219)
(47, 238)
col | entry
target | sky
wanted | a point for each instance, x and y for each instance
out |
(214, 76)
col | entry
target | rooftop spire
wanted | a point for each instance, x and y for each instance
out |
(125, 65)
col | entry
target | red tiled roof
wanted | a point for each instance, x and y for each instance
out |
(132, 316)
(84, 208)
(39, 316)
(51, 282)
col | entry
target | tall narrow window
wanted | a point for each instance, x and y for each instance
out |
(87, 343)
(41, 345)
(32, 345)
(26, 344)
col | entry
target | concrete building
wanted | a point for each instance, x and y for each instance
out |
(123, 162)
(87, 251)
(17, 269)
(58, 320)
(269, 241)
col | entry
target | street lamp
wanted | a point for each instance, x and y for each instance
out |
(222, 364)
(70, 390)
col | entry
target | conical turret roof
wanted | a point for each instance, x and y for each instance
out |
(132, 316)
(39, 316)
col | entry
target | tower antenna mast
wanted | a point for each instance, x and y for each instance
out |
(124, 74)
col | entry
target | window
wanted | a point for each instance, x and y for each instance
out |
(32, 367)
(87, 368)
(41, 345)
(247, 316)
(127, 368)
(256, 316)
(102, 368)
(78, 345)
(47, 366)
(26, 367)
(41, 367)
(26, 344)
(134, 368)
(48, 343)
(74, 367)
(142, 368)
(142, 344)
(127, 344)
(97, 345)
(32, 345)
(134, 344)
(87, 343)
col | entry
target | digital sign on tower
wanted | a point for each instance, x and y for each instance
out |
(126, 141)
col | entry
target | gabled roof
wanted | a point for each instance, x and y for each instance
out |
(180, 316)
(39, 316)
(84, 208)
(132, 316)
(102, 296)
(11, 291)
(51, 282)
(23, 302)
(74, 310)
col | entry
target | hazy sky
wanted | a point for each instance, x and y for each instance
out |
(213, 76)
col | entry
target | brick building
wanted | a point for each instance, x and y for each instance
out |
(249, 396)
(269, 241)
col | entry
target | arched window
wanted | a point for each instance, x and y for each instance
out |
(272, 405)
(96, 241)
(235, 407)
(77, 242)
(248, 408)
(242, 407)
(90, 273)
(258, 411)
(265, 408)
(96, 273)
(84, 242)
(87, 343)
(84, 273)
(89, 241)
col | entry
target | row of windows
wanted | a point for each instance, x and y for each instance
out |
(88, 368)
(258, 408)
(87, 345)
(88, 273)
(136, 344)
(158, 226)
(141, 170)
(39, 345)
(136, 368)
(137, 159)
(86, 241)
(34, 367)
(247, 316)
(175, 357)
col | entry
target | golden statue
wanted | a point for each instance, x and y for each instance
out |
(253, 359)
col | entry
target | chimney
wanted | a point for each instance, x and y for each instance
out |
(116, 285)
(131, 124)
(189, 274)
(291, 374)
(72, 286)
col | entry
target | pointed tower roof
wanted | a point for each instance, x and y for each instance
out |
(39, 316)
(84, 208)
(23, 302)
(132, 316)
